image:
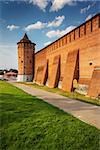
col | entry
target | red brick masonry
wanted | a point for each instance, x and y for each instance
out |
(85, 39)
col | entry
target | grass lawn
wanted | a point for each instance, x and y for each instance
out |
(72, 95)
(28, 123)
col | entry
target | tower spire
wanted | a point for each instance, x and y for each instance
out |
(25, 37)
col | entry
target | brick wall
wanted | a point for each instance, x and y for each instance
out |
(94, 88)
(55, 72)
(71, 70)
(85, 38)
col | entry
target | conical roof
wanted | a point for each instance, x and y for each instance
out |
(25, 39)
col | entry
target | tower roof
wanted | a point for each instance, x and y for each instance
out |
(25, 39)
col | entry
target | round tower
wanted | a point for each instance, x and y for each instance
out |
(25, 59)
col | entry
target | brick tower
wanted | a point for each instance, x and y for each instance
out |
(25, 59)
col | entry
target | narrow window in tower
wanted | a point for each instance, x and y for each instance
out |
(21, 61)
(90, 63)
(30, 61)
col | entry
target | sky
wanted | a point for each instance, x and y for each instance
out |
(44, 21)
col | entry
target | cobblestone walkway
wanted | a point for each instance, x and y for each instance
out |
(86, 112)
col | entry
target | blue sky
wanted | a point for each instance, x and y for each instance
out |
(43, 20)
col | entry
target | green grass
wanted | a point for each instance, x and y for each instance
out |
(72, 95)
(28, 123)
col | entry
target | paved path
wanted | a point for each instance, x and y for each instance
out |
(86, 112)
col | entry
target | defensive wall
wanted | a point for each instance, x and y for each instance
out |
(75, 57)
(84, 41)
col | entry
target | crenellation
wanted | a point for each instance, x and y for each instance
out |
(65, 40)
(82, 31)
(72, 36)
(68, 39)
(76, 33)
(95, 23)
(88, 27)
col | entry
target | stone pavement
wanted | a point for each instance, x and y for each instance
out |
(86, 112)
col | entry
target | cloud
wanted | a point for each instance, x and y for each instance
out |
(85, 9)
(89, 17)
(40, 25)
(42, 4)
(37, 25)
(12, 27)
(8, 56)
(59, 4)
(47, 43)
(59, 33)
(57, 22)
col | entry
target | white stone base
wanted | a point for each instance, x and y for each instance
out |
(47, 83)
(60, 85)
(82, 89)
(25, 78)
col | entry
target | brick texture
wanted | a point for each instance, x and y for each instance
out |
(42, 74)
(70, 71)
(54, 76)
(83, 38)
(94, 88)
(26, 57)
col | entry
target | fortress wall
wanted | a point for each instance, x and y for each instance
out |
(84, 38)
(39, 61)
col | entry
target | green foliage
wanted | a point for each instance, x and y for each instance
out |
(28, 123)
